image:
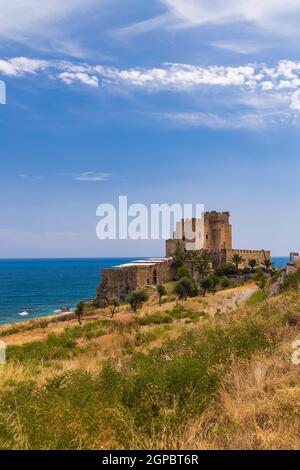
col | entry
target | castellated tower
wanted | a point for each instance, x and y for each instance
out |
(217, 231)
(215, 234)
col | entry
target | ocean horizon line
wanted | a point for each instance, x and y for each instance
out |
(96, 257)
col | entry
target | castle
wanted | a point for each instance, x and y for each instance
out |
(212, 234)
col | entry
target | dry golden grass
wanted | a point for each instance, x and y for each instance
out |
(258, 403)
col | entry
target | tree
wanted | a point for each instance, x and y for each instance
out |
(185, 288)
(178, 259)
(80, 310)
(206, 284)
(260, 279)
(225, 282)
(215, 281)
(202, 264)
(182, 272)
(114, 306)
(237, 260)
(137, 299)
(268, 265)
(252, 263)
(161, 290)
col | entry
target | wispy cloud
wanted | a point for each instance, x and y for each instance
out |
(255, 120)
(92, 176)
(277, 86)
(275, 16)
(45, 25)
(265, 14)
(238, 47)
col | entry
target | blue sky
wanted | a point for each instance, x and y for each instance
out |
(164, 101)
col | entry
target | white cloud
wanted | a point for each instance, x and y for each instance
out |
(296, 101)
(92, 176)
(21, 66)
(71, 77)
(279, 86)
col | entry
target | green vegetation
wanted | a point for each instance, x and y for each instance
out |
(206, 284)
(58, 346)
(182, 272)
(80, 311)
(237, 260)
(161, 290)
(252, 263)
(257, 297)
(268, 266)
(114, 306)
(225, 282)
(137, 299)
(185, 288)
(155, 393)
(260, 278)
(203, 264)
(178, 259)
(291, 282)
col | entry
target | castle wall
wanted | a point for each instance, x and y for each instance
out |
(118, 282)
(249, 254)
(217, 234)
(174, 245)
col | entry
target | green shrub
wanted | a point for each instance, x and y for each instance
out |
(183, 272)
(185, 288)
(291, 282)
(155, 319)
(137, 299)
(225, 282)
(257, 297)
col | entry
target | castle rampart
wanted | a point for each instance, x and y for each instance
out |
(214, 236)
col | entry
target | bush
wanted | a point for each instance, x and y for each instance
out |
(137, 299)
(247, 270)
(214, 282)
(257, 297)
(155, 319)
(80, 311)
(225, 282)
(161, 290)
(182, 272)
(226, 270)
(114, 306)
(291, 282)
(185, 288)
(260, 278)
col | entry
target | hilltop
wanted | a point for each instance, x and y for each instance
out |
(208, 373)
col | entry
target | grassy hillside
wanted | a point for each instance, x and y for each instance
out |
(201, 374)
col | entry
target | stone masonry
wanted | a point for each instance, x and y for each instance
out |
(212, 235)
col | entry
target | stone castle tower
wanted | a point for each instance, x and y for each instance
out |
(213, 233)
(217, 231)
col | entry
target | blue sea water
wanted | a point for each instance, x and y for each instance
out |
(46, 285)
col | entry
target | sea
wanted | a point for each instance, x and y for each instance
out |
(43, 286)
